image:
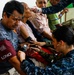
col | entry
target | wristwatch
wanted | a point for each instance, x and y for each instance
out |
(24, 48)
(39, 10)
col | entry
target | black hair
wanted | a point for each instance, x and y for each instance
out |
(11, 6)
(64, 33)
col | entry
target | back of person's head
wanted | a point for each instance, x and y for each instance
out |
(64, 33)
(11, 6)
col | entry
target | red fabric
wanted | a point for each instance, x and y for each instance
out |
(6, 50)
(46, 50)
(38, 57)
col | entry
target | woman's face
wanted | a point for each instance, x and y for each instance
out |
(27, 11)
(57, 45)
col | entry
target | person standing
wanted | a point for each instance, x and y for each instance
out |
(53, 19)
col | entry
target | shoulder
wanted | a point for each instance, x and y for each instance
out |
(3, 33)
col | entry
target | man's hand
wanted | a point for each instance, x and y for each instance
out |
(21, 55)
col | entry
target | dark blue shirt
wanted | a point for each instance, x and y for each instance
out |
(56, 8)
(64, 66)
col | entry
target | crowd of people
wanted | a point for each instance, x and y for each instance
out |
(30, 45)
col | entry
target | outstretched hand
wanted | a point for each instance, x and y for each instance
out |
(36, 10)
(21, 55)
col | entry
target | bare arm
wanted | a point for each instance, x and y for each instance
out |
(16, 64)
(46, 34)
(40, 43)
(24, 32)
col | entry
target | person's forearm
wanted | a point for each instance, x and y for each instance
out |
(56, 8)
(47, 35)
(41, 43)
(16, 64)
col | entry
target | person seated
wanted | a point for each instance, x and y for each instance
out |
(25, 30)
(53, 9)
(63, 41)
(25, 34)
(40, 21)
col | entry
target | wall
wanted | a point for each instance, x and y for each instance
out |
(2, 3)
(70, 14)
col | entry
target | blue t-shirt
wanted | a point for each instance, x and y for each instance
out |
(10, 40)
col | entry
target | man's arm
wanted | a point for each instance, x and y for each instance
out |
(16, 64)
(56, 8)
(47, 35)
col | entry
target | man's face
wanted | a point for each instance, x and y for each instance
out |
(11, 22)
(41, 3)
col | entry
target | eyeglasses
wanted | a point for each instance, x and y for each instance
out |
(15, 18)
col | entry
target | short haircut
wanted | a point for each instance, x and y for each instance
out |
(11, 6)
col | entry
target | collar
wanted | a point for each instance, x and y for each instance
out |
(69, 54)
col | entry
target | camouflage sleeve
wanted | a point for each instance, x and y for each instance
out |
(62, 67)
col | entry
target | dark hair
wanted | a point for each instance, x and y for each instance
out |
(11, 6)
(64, 33)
